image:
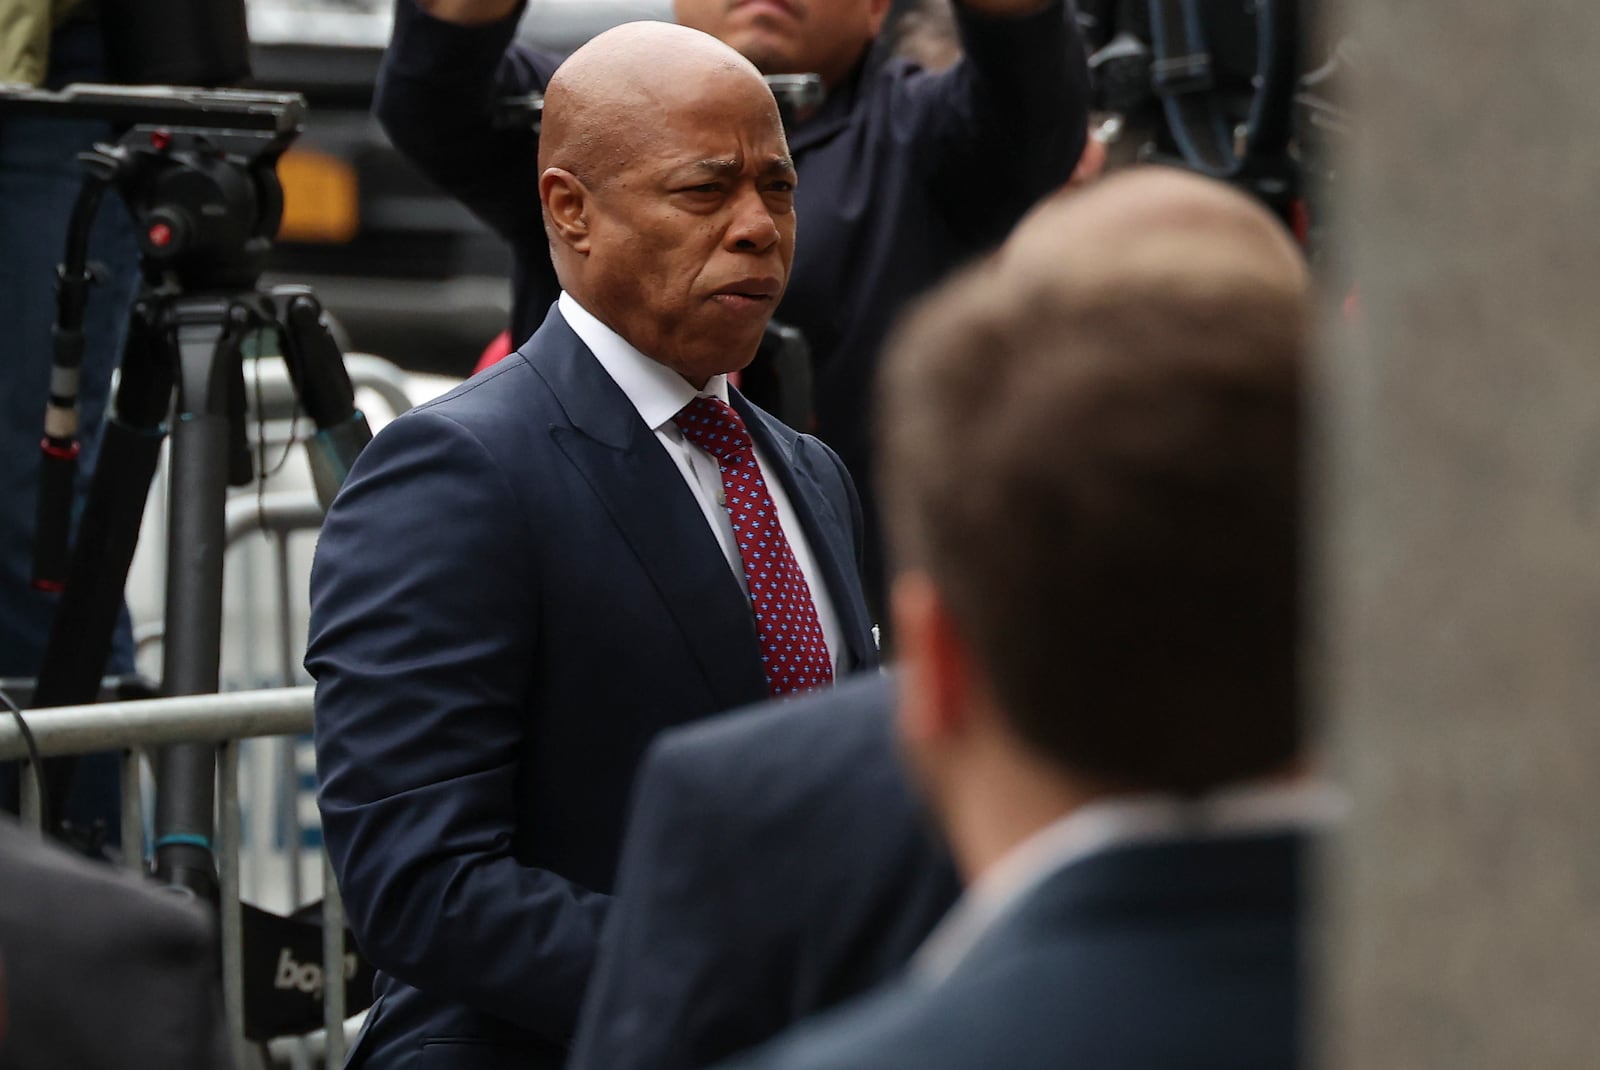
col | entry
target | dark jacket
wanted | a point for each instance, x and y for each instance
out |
(1179, 956)
(775, 865)
(903, 175)
(512, 594)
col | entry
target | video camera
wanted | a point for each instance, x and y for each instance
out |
(197, 168)
(1233, 89)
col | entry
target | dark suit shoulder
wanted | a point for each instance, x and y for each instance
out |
(509, 392)
(782, 775)
(843, 731)
(1037, 1015)
(1159, 975)
(472, 447)
(529, 389)
(86, 943)
(1147, 1002)
(65, 892)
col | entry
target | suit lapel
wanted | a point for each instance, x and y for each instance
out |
(644, 493)
(827, 532)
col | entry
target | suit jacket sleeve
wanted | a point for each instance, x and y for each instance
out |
(673, 992)
(423, 632)
(1006, 124)
(435, 97)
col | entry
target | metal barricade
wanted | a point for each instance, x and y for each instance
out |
(225, 720)
(278, 516)
(283, 713)
(267, 530)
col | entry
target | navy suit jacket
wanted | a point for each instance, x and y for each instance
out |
(775, 864)
(514, 591)
(1182, 956)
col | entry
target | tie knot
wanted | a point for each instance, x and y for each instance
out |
(713, 426)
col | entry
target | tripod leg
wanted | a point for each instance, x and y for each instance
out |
(316, 368)
(208, 333)
(80, 636)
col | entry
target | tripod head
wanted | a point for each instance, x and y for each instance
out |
(196, 167)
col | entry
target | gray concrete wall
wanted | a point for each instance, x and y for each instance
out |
(1460, 685)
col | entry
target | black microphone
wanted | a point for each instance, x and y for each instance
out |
(58, 462)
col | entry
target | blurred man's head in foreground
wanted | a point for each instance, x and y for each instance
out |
(1090, 459)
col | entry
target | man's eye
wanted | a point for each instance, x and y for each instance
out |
(709, 187)
(781, 187)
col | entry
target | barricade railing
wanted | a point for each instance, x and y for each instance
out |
(136, 727)
(226, 720)
(278, 516)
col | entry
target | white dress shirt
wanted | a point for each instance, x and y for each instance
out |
(659, 393)
(1120, 821)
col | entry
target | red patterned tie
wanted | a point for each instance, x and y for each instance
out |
(794, 654)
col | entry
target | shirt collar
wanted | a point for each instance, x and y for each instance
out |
(1120, 821)
(656, 391)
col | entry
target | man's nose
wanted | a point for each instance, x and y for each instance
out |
(753, 229)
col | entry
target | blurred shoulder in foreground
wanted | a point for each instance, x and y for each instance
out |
(103, 969)
(776, 863)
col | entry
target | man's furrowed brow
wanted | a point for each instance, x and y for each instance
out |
(726, 167)
(718, 168)
(779, 167)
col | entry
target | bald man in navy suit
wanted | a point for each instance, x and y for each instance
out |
(521, 583)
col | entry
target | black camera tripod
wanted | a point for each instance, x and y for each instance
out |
(197, 170)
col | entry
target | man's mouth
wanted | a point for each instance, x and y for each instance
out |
(749, 293)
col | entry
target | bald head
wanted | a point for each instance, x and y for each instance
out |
(1090, 448)
(615, 90)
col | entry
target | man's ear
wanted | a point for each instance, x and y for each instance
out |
(566, 206)
(934, 667)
